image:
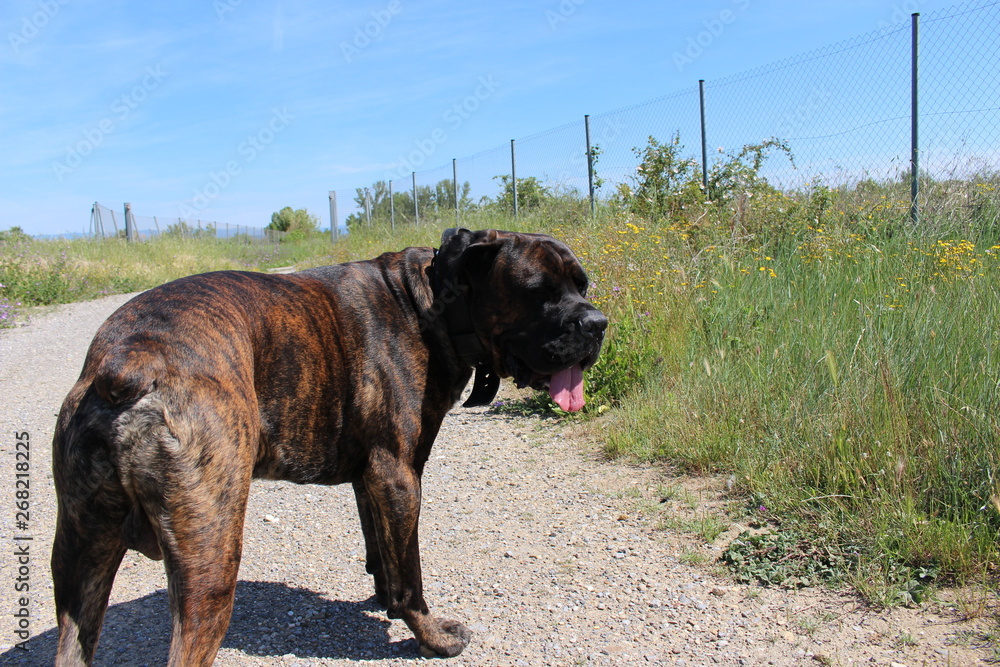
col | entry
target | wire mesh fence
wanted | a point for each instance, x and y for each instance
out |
(847, 113)
(106, 222)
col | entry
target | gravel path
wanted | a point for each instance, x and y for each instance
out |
(549, 555)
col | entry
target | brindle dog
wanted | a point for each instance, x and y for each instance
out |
(332, 375)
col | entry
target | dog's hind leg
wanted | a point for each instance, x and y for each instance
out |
(202, 549)
(88, 545)
(195, 496)
(85, 558)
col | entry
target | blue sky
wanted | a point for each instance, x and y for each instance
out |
(229, 110)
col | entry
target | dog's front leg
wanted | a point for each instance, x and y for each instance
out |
(393, 490)
(373, 556)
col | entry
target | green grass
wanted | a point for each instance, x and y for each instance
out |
(34, 273)
(862, 389)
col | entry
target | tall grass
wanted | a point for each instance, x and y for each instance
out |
(862, 386)
(841, 365)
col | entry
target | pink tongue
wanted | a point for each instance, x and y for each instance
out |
(566, 388)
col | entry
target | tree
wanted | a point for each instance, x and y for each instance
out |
(182, 229)
(530, 193)
(15, 233)
(666, 182)
(299, 220)
(373, 203)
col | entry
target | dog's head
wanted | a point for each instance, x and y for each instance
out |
(525, 295)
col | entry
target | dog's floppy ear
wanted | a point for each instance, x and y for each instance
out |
(467, 253)
(448, 234)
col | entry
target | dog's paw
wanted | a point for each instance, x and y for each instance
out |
(381, 595)
(447, 642)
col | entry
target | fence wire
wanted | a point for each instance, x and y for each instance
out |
(106, 222)
(844, 111)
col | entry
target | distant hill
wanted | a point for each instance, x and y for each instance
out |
(65, 235)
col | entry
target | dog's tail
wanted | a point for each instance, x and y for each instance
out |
(99, 418)
(126, 375)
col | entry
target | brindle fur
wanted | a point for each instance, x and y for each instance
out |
(328, 376)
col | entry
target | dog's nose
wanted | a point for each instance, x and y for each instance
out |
(593, 323)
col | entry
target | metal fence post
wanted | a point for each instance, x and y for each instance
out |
(98, 222)
(416, 207)
(513, 175)
(129, 223)
(392, 208)
(590, 162)
(914, 121)
(704, 147)
(333, 216)
(454, 184)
